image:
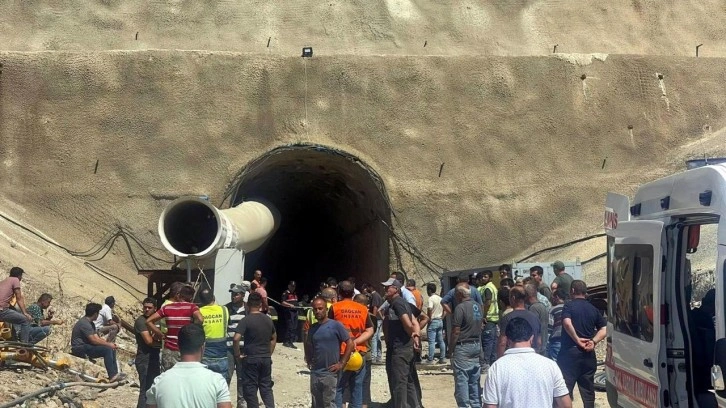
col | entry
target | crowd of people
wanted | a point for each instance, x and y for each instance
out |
(533, 340)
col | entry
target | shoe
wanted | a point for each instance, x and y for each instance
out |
(427, 362)
(118, 378)
(443, 361)
(290, 345)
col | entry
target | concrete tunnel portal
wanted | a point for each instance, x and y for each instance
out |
(334, 217)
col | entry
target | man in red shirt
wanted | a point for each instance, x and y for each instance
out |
(10, 287)
(262, 290)
(177, 314)
(355, 319)
(289, 302)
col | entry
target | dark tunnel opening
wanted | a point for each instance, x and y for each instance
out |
(334, 215)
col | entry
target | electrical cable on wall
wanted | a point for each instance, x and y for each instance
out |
(565, 245)
(105, 243)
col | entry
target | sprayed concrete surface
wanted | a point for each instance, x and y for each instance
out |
(365, 27)
(488, 142)
(526, 147)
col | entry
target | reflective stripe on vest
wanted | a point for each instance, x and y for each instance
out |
(493, 313)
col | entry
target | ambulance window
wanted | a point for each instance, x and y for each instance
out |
(632, 275)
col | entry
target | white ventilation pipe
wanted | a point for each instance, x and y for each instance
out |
(191, 227)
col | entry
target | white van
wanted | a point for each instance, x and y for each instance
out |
(666, 341)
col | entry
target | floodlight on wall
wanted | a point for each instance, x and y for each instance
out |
(307, 52)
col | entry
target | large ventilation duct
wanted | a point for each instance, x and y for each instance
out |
(191, 227)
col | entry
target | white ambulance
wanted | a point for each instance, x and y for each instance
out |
(666, 269)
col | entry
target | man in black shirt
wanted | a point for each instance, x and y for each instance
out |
(401, 338)
(584, 327)
(147, 352)
(255, 359)
(373, 305)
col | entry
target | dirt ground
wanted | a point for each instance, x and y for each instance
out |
(289, 374)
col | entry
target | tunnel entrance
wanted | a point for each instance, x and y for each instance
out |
(334, 214)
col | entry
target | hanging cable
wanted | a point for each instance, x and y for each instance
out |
(565, 245)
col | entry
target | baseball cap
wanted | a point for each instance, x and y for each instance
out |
(558, 265)
(393, 282)
(239, 289)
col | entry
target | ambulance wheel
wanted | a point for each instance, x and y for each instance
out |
(612, 394)
(600, 381)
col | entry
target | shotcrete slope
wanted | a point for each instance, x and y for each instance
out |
(370, 27)
(529, 148)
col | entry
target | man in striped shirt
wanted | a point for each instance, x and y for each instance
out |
(237, 312)
(177, 314)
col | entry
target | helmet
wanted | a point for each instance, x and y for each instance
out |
(355, 362)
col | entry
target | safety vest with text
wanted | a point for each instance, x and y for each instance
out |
(353, 316)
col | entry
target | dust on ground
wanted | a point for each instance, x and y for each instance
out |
(290, 375)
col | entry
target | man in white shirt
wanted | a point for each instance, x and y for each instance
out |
(189, 383)
(523, 378)
(435, 331)
(105, 323)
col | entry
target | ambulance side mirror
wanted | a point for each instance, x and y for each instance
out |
(717, 379)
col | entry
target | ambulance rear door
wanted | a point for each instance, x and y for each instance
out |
(635, 360)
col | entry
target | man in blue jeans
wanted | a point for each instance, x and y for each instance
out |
(10, 287)
(375, 303)
(466, 348)
(435, 331)
(490, 311)
(85, 342)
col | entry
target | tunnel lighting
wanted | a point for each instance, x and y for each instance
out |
(307, 52)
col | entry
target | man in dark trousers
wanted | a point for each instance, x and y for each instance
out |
(584, 327)
(466, 348)
(401, 339)
(236, 311)
(536, 307)
(147, 360)
(490, 312)
(289, 302)
(255, 359)
(322, 355)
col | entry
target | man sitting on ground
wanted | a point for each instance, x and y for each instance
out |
(10, 287)
(85, 342)
(41, 325)
(189, 384)
(105, 322)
